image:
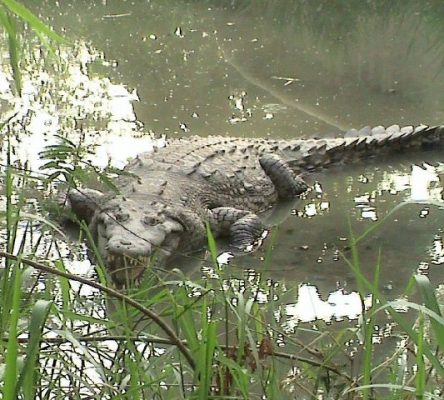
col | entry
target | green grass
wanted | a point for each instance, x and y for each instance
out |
(207, 338)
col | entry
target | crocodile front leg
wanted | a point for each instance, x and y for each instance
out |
(243, 227)
(287, 184)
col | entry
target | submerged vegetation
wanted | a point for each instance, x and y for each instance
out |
(65, 334)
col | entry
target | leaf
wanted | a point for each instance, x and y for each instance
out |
(108, 182)
(430, 301)
(38, 317)
(14, 49)
(35, 23)
(212, 246)
(10, 376)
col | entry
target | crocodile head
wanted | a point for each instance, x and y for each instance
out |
(130, 235)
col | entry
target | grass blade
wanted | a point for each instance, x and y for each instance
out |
(430, 301)
(11, 368)
(212, 246)
(368, 344)
(402, 322)
(14, 49)
(206, 353)
(421, 374)
(27, 378)
(22, 12)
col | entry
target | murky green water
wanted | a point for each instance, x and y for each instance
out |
(280, 69)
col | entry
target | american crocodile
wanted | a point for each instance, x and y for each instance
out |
(170, 195)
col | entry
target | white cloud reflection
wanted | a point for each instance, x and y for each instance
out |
(64, 100)
(422, 183)
(310, 307)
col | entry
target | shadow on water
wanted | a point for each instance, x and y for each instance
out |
(283, 69)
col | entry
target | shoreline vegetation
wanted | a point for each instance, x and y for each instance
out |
(64, 335)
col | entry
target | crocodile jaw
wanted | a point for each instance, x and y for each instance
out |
(125, 270)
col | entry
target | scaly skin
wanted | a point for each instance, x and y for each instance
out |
(172, 193)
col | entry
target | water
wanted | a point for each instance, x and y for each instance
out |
(286, 70)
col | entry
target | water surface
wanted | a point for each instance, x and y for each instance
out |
(277, 69)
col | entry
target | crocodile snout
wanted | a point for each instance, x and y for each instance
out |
(127, 259)
(127, 246)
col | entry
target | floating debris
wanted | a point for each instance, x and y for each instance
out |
(288, 81)
(424, 212)
(178, 32)
(184, 127)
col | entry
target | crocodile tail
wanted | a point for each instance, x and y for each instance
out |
(358, 145)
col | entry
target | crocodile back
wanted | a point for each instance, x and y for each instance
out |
(313, 154)
(234, 155)
(217, 170)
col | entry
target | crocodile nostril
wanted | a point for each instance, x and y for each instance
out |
(125, 242)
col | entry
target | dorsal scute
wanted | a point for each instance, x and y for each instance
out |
(204, 155)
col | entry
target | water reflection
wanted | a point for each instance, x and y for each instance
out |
(63, 102)
(437, 250)
(310, 307)
(422, 184)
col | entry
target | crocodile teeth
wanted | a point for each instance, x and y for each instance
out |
(113, 259)
(127, 267)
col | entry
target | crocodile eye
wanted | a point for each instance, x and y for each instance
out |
(151, 221)
(121, 217)
(103, 217)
